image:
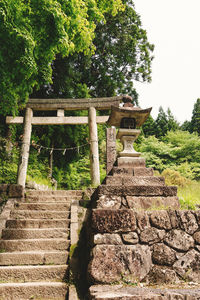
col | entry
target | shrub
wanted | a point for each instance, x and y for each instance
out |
(173, 177)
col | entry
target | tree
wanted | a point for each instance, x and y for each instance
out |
(161, 123)
(186, 126)
(195, 121)
(172, 123)
(33, 32)
(149, 127)
(165, 122)
(123, 54)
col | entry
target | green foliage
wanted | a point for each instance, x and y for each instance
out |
(173, 177)
(178, 150)
(165, 122)
(8, 170)
(149, 127)
(76, 175)
(33, 32)
(195, 121)
(122, 54)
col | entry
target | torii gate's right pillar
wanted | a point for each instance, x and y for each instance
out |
(94, 150)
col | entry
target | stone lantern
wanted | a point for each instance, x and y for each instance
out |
(128, 118)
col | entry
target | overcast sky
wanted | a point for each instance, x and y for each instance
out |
(173, 26)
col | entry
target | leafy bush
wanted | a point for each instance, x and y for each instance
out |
(173, 177)
(178, 150)
(8, 172)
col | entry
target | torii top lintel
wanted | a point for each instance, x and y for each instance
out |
(74, 104)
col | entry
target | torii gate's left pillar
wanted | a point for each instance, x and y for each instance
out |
(24, 155)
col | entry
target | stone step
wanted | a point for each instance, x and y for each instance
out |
(33, 273)
(116, 292)
(43, 206)
(34, 244)
(39, 214)
(38, 223)
(52, 198)
(116, 171)
(54, 193)
(135, 180)
(33, 290)
(166, 191)
(14, 234)
(33, 258)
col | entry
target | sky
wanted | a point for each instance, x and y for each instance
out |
(173, 26)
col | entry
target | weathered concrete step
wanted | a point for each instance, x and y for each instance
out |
(38, 223)
(116, 292)
(34, 244)
(116, 171)
(33, 273)
(33, 258)
(39, 214)
(52, 198)
(33, 290)
(135, 191)
(43, 206)
(135, 180)
(15, 234)
(55, 193)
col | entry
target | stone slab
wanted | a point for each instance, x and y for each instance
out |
(166, 191)
(57, 193)
(33, 273)
(110, 148)
(33, 258)
(133, 180)
(39, 214)
(114, 220)
(112, 263)
(33, 290)
(43, 206)
(35, 233)
(51, 199)
(34, 244)
(15, 191)
(153, 202)
(3, 188)
(37, 223)
(120, 292)
(131, 162)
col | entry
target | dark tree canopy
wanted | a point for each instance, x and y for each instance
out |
(122, 54)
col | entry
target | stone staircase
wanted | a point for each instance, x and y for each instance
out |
(34, 247)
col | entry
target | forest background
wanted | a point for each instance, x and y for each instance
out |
(81, 49)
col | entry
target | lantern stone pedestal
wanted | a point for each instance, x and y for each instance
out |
(127, 138)
(129, 157)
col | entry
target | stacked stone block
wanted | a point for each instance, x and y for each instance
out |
(139, 234)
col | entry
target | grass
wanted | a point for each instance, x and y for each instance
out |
(189, 195)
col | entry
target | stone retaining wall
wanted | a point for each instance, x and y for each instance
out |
(130, 246)
(10, 191)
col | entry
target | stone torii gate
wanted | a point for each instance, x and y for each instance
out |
(60, 105)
